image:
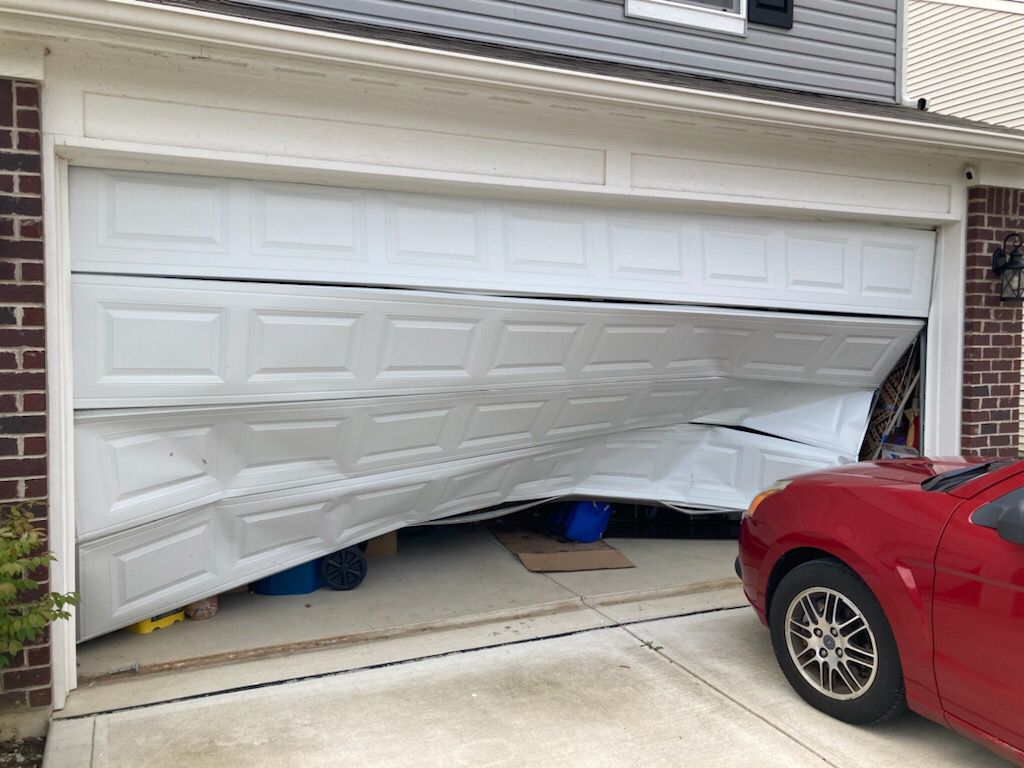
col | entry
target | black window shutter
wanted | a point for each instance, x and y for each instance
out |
(773, 13)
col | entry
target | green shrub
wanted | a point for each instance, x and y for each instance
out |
(24, 614)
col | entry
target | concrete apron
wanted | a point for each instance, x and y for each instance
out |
(398, 642)
(701, 689)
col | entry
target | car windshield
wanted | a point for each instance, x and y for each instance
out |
(957, 477)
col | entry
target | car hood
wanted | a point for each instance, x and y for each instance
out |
(911, 470)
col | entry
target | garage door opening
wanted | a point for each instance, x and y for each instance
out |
(265, 373)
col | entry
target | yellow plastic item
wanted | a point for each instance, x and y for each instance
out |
(146, 626)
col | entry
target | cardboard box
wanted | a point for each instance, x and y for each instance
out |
(545, 554)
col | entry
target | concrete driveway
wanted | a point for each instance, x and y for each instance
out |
(700, 690)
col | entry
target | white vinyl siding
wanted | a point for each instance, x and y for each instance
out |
(967, 60)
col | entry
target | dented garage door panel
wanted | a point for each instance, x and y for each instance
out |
(151, 341)
(232, 426)
(197, 226)
(137, 467)
(157, 566)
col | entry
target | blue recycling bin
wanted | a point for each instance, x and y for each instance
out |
(582, 521)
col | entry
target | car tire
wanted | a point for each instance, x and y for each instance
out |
(834, 643)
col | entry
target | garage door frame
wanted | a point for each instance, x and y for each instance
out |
(941, 433)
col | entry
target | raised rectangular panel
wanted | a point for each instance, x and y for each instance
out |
(817, 265)
(721, 345)
(425, 346)
(673, 402)
(787, 351)
(646, 250)
(258, 534)
(501, 423)
(474, 490)
(736, 258)
(444, 233)
(310, 221)
(160, 343)
(272, 444)
(626, 459)
(860, 355)
(580, 415)
(718, 465)
(288, 345)
(164, 563)
(397, 503)
(413, 435)
(627, 347)
(546, 243)
(163, 462)
(162, 212)
(537, 348)
(889, 270)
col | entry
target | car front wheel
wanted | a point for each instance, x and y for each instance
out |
(834, 644)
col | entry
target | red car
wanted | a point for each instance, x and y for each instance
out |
(895, 584)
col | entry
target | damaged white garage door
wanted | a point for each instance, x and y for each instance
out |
(228, 429)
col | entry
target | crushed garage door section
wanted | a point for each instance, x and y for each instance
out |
(285, 422)
(241, 407)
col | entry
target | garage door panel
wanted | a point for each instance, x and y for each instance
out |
(193, 349)
(143, 570)
(137, 467)
(154, 212)
(254, 387)
(165, 224)
(208, 342)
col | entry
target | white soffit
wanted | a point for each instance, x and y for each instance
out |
(153, 341)
(196, 226)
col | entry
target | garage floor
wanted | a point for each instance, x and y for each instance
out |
(448, 586)
(694, 690)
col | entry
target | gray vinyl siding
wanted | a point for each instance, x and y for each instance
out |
(840, 47)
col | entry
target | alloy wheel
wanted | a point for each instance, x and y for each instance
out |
(831, 643)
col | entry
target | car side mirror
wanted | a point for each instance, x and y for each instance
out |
(1007, 520)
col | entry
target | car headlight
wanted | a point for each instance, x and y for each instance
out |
(779, 485)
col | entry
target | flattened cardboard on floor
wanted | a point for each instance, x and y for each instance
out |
(544, 554)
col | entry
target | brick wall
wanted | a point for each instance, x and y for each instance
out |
(22, 346)
(992, 330)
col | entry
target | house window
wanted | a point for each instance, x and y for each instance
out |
(728, 16)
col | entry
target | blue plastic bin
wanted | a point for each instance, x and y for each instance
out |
(582, 521)
(298, 580)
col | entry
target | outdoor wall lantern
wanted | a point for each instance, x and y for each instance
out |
(1008, 264)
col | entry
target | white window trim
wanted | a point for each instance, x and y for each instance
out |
(685, 14)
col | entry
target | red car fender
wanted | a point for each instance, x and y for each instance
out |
(903, 589)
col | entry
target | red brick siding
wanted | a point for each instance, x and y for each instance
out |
(22, 346)
(992, 330)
